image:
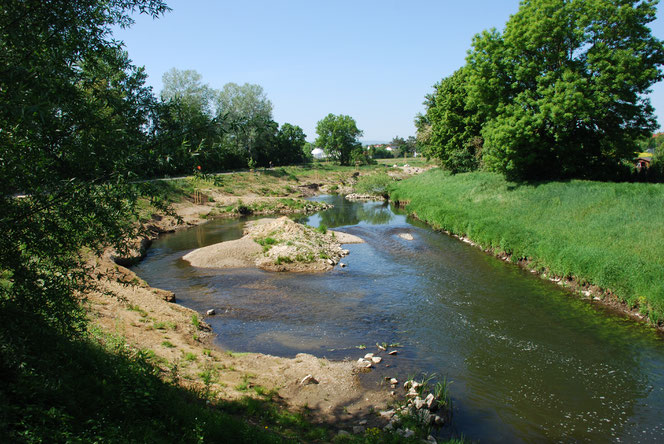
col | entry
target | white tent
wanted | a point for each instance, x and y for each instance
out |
(318, 153)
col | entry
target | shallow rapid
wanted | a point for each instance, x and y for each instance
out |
(529, 361)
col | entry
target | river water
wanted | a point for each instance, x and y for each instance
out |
(528, 361)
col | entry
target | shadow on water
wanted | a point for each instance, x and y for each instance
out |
(528, 361)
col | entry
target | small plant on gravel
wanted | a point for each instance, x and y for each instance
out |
(322, 228)
(168, 344)
(195, 322)
(283, 260)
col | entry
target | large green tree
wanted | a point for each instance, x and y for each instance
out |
(561, 93)
(249, 110)
(338, 136)
(72, 116)
(455, 125)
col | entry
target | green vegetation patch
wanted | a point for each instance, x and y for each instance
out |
(607, 234)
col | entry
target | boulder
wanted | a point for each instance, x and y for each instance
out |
(376, 359)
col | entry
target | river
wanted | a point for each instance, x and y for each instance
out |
(528, 361)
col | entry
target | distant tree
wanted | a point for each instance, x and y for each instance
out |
(380, 152)
(185, 87)
(290, 142)
(561, 91)
(249, 111)
(338, 136)
(411, 145)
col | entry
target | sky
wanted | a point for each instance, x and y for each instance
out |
(372, 60)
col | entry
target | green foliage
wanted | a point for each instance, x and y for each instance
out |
(374, 184)
(608, 234)
(98, 389)
(455, 127)
(570, 87)
(322, 228)
(73, 113)
(337, 135)
(558, 94)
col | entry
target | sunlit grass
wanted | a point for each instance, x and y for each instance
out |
(608, 234)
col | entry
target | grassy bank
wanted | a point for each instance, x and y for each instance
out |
(606, 234)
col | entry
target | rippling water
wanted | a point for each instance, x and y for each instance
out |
(529, 362)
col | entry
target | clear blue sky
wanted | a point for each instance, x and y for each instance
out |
(372, 60)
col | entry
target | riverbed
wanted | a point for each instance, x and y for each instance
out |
(528, 361)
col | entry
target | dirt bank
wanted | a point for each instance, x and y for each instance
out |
(276, 245)
(183, 343)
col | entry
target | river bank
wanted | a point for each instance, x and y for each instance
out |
(182, 342)
(600, 240)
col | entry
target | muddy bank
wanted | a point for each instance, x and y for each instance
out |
(276, 245)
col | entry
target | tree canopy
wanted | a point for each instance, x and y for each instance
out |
(72, 118)
(338, 136)
(560, 93)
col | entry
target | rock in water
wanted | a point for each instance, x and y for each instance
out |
(211, 312)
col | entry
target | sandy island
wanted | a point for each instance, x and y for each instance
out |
(276, 245)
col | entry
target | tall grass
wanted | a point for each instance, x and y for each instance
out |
(607, 234)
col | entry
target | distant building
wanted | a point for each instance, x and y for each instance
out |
(643, 161)
(318, 153)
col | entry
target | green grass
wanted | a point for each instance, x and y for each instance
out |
(607, 234)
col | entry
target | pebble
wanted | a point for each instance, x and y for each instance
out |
(309, 379)
(342, 265)
(387, 414)
(380, 347)
(211, 312)
(393, 352)
(394, 381)
(376, 359)
(368, 356)
(430, 401)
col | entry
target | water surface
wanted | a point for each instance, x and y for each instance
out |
(529, 362)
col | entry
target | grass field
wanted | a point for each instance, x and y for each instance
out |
(607, 234)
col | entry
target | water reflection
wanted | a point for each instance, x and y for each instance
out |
(529, 362)
(347, 213)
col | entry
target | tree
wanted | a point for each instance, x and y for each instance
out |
(185, 86)
(338, 136)
(561, 91)
(250, 113)
(290, 145)
(455, 125)
(72, 124)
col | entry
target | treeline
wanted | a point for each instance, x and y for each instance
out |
(195, 125)
(560, 93)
